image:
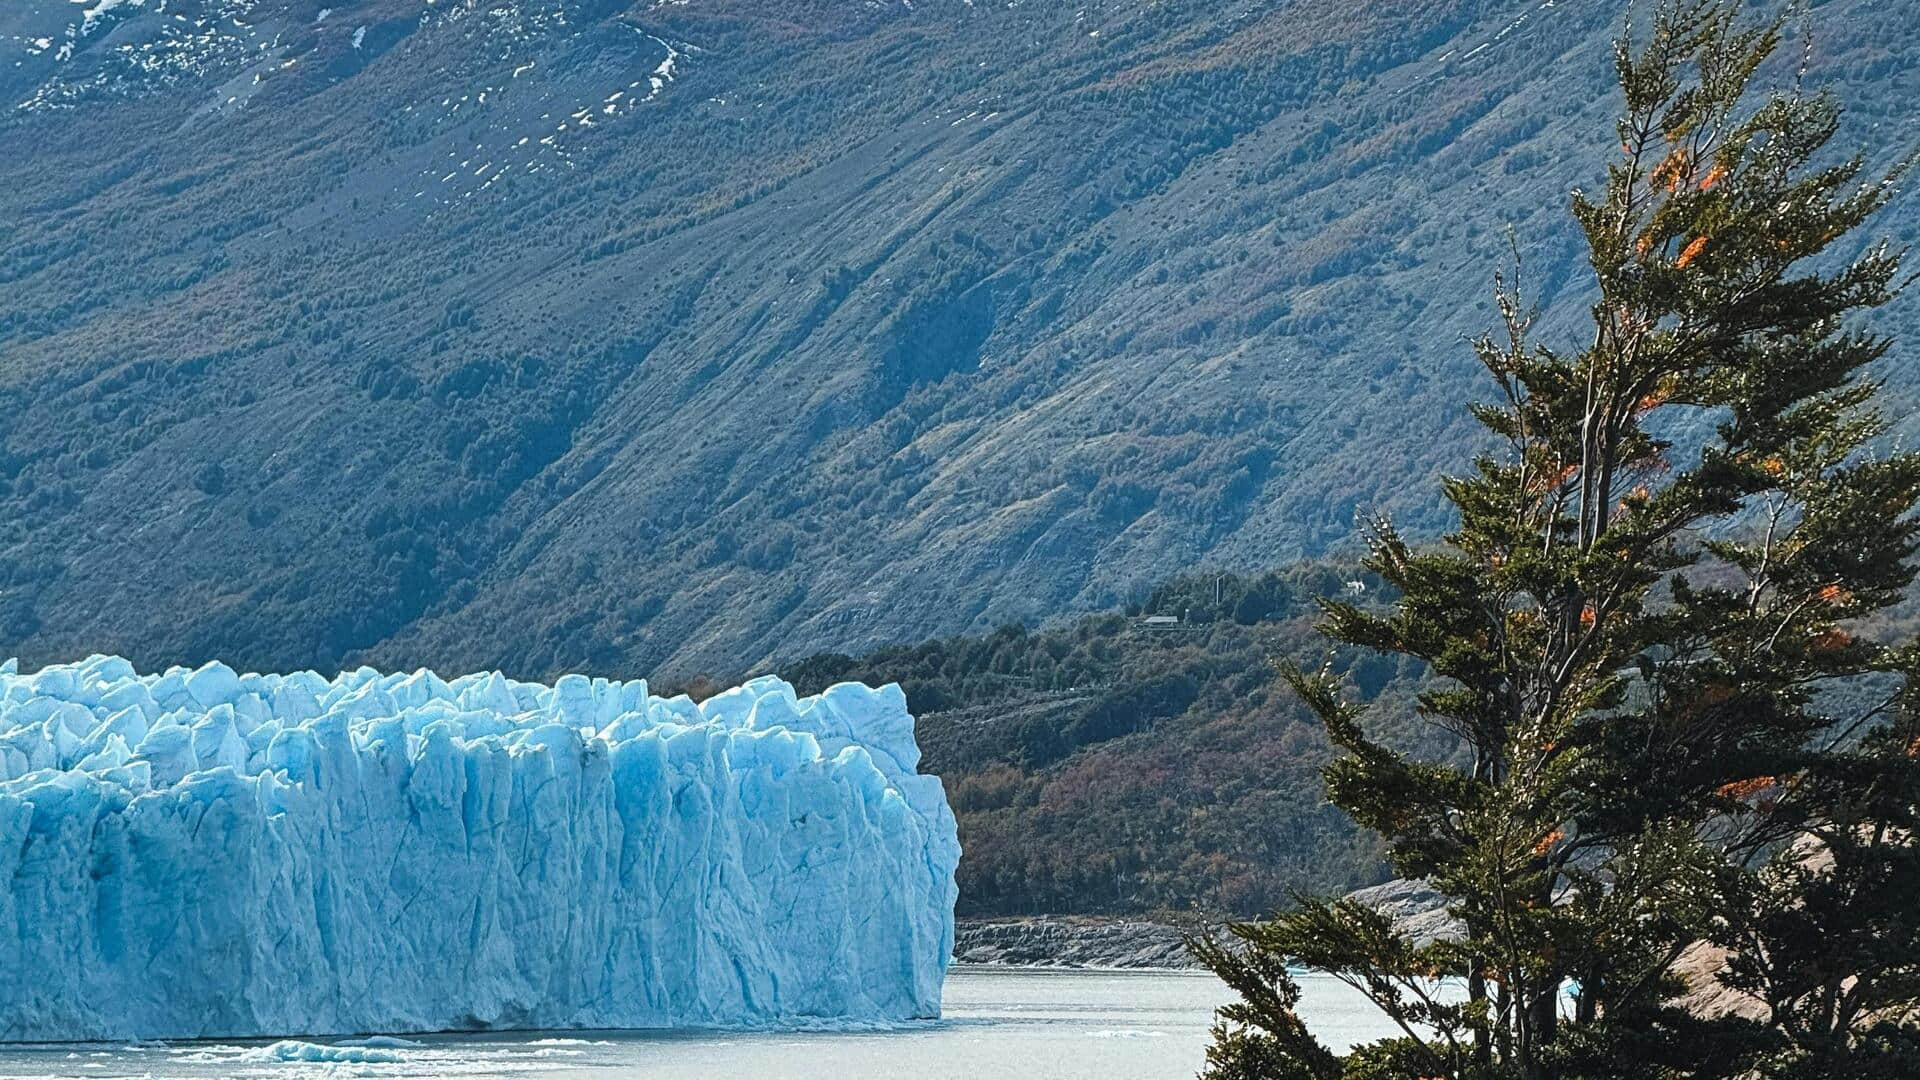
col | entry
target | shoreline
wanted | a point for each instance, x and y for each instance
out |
(1132, 943)
(1075, 943)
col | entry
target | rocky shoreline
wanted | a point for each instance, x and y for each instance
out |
(1074, 942)
(1096, 943)
(1087, 942)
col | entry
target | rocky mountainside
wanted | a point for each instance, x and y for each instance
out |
(702, 334)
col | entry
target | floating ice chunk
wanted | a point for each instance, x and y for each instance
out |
(291, 1050)
(399, 852)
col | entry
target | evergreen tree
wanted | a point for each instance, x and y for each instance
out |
(1640, 638)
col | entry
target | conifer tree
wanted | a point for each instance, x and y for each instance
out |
(1643, 637)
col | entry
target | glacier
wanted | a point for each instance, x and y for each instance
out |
(201, 853)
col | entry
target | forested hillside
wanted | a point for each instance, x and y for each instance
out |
(1112, 765)
(653, 338)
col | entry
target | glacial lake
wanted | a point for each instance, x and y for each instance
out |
(997, 1023)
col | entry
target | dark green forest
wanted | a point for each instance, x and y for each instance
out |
(1106, 765)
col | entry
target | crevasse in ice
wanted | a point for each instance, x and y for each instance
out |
(204, 853)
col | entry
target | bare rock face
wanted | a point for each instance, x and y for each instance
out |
(1418, 909)
(1703, 962)
(1706, 995)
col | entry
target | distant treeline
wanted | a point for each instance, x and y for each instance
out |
(1113, 765)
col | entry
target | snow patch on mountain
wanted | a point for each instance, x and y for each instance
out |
(91, 17)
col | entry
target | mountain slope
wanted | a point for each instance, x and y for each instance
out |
(681, 336)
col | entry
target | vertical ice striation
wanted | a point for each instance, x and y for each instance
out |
(203, 853)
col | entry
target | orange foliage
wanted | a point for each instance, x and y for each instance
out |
(1549, 481)
(1714, 176)
(1746, 789)
(1692, 252)
(1546, 842)
(1833, 640)
(1834, 594)
(1671, 170)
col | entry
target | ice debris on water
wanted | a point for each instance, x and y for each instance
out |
(291, 1050)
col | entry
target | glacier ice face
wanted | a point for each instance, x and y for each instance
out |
(204, 853)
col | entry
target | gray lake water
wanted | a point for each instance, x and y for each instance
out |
(997, 1023)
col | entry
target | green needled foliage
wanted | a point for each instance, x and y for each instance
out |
(1672, 745)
